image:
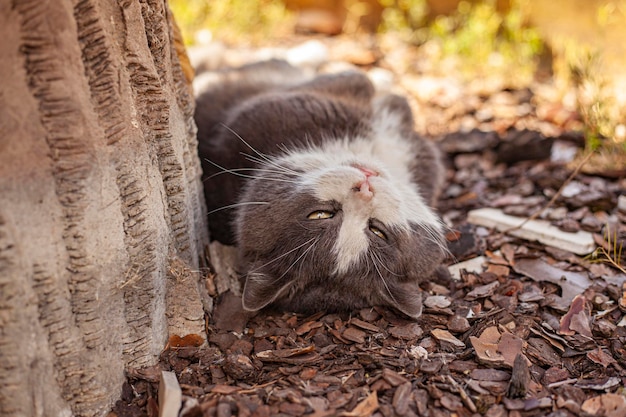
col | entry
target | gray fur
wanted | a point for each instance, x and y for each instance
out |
(316, 138)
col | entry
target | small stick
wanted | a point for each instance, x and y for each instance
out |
(466, 398)
(554, 197)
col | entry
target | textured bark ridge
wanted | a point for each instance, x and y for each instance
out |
(101, 211)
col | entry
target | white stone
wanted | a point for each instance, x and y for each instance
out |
(170, 395)
(621, 203)
(563, 152)
(381, 78)
(572, 189)
(437, 301)
(471, 265)
(311, 53)
(580, 243)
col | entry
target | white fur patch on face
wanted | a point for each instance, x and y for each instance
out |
(332, 173)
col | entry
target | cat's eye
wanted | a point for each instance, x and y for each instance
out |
(321, 214)
(378, 232)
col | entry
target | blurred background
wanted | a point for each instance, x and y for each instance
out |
(569, 53)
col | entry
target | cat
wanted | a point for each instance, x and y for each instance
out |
(323, 186)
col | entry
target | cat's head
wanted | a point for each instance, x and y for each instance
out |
(334, 227)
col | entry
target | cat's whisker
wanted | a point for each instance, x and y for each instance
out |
(263, 158)
(306, 253)
(383, 280)
(271, 171)
(283, 255)
(375, 255)
(245, 203)
(234, 172)
(296, 261)
(435, 237)
(273, 164)
(262, 155)
(279, 168)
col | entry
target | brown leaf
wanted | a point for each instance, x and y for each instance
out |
(508, 252)
(308, 373)
(571, 322)
(447, 337)
(354, 335)
(486, 347)
(571, 283)
(510, 346)
(600, 357)
(407, 332)
(393, 377)
(288, 353)
(308, 326)
(605, 405)
(224, 389)
(193, 340)
(453, 235)
(365, 325)
(365, 408)
(498, 270)
(401, 398)
(489, 374)
(482, 291)
(296, 356)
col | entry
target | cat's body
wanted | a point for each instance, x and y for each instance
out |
(333, 190)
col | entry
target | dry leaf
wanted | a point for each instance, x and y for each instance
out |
(354, 335)
(600, 357)
(193, 340)
(483, 291)
(365, 408)
(447, 337)
(224, 389)
(486, 347)
(574, 320)
(509, 347)
(606, 405)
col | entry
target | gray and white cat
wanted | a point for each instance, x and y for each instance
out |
(323, 186)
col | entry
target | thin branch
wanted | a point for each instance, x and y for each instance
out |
(540, 210)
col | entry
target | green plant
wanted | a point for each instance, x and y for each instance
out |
(478, 39)
(406, 16)
(230, 20)
(486, 41)
(612, 255)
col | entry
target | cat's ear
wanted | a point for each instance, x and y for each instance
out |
(260, 290)
(407, 298)
(392, 113)
(349, 84)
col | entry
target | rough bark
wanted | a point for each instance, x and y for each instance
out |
(101, 208)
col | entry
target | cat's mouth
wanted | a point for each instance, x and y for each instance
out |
(369, 172)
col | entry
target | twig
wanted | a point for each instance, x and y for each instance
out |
(614, 260)
(464, 397)
(554, 197)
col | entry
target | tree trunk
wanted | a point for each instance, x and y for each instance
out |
(101, 209)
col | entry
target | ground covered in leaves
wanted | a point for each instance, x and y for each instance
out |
(526, 330)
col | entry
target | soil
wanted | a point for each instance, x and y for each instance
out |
(534, 331)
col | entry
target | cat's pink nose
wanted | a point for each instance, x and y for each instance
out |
(364, 190)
